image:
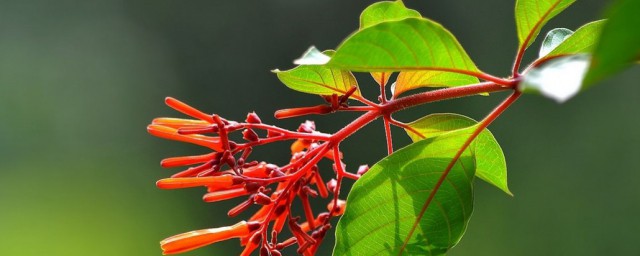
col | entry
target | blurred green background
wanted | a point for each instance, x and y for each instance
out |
(79, 81)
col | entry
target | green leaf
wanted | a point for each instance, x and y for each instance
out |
(409, 80)
(408, 44)
(532, 15)
(554, 38)
(490, 162)
(619, 45)
(318, 79)
(582, 41)
(384, 203)
(559, 79)
(382, 12)
(385, 11)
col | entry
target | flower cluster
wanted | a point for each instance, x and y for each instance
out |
(228, 173)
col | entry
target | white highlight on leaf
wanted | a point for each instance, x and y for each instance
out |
(312, 57)
(559, 79)
(393, 89)
(554, 38)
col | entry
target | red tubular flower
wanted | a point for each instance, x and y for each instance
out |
(195, 239)
(219, 182)
(187, 110)
(229, 173)
(179, 122)
(166, 132)
(224, 194)
(186, 160)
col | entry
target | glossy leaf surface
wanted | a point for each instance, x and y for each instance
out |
(408, 44)
(532, 15)
(491, 165)
(385, 202)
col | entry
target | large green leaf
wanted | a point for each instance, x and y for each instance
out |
(490, 162)
(318, 79)
(409, 80)
(385, 11)
(384, 203)
(619, 45)
(581, 41)
(408, 44)
(532, 15)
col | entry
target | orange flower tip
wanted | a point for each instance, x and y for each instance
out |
(157, 130)
(199, 238)
(171, 101)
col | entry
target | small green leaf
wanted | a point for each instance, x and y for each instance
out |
(318, 79)
(554, 38)
(532, 15)
(385, 11)
(558, 79)
(491, 165)
(582, 41)
(408, 44)
(384, 203)
(409, 80)
(619, 45)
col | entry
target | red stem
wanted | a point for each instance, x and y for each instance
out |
(387, 132)
(444, 94)
(481, 126)
(524, 45)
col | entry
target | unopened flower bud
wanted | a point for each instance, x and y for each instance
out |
(331, 185)
(363, 169)
(249, 135)
(307, 126)
(339, 209)
(253, 118)
(262, 199)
